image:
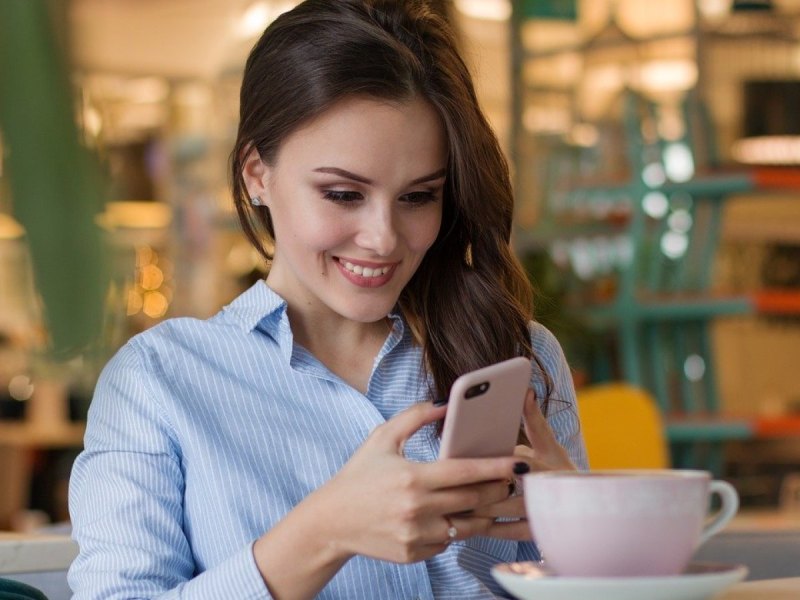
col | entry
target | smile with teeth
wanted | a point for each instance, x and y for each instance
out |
(365, 271)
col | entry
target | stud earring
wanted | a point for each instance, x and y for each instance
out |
(256, 201)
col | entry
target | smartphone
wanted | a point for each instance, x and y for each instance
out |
(484, 411)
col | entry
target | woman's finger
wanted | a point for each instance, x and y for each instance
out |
(546, 453)
(510, 530)
(444, 530)
(536, 427)
(513, 507)
(394, 432)
(524, 451)
(468, 498)
(453, 472)
(470, 526)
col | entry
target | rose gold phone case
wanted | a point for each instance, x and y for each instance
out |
(486, 424)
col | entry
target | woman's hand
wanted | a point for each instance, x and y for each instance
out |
(383, 506)
(544, 454)
(388, 507)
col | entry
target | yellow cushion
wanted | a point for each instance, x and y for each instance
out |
(622, 427)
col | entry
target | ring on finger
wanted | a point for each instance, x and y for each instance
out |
(452, 532)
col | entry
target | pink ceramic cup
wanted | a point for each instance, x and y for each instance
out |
(623, 523)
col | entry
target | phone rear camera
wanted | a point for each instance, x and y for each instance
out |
(477, 390)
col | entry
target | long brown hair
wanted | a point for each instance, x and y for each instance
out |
(469, 304)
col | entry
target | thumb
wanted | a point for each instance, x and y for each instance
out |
(402, 426)
(536, 427)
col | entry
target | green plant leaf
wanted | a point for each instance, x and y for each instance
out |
(55, 183)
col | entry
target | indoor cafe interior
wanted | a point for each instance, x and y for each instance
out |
(655, 157)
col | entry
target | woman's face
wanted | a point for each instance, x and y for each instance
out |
(356, 200)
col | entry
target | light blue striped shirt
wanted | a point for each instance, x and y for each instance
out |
(202, 435)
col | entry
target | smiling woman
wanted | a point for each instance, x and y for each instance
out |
(287, 446)
(362, 211)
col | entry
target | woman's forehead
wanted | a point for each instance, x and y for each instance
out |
(371, 132)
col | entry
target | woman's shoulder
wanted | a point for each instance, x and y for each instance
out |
(175, 341)
(545, 345)
(162, 339)
(234, 321)
(550, 358)
(175, 327)
(179, 330)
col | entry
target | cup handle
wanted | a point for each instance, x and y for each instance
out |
(730, 504)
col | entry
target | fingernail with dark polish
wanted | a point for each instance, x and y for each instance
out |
(521, 468)
(440, 402)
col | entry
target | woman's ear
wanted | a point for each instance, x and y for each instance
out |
(255, 174)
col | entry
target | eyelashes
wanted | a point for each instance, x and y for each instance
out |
(421, 197)
(346, 197)
(341, 197)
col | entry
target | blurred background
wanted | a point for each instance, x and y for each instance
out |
(655, 157)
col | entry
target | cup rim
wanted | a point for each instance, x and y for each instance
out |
(606, 474)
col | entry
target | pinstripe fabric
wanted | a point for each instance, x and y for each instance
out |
(204, 434)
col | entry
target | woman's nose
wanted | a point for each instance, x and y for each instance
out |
(377, 232)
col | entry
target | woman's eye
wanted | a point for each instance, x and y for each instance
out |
(341, 197)
(419, 197)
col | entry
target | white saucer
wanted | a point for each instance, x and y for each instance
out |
(531, 581)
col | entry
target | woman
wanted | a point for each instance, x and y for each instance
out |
(287, 446)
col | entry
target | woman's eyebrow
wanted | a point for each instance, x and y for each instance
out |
(359, 178)
(343, 173)
(432, 177)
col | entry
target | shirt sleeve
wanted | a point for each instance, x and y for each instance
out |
(562, 411)
(126, 499)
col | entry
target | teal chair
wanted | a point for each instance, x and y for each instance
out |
(16, 590)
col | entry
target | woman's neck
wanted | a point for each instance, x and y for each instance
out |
(347, 348)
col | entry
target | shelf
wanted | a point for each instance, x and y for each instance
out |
(545, 233)
(778, 302)
(674, 308)
(604, 42)
(685, 307)
(32, 435)
(763, 233)
(654, 291)
(722, 181)
(777, 178)
(719, 427)
(778, 426)
(708, 428)
(711, 184)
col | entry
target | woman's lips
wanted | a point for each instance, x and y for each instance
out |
(365, 274)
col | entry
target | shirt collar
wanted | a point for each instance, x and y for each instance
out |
(261, 306)
(257, 305)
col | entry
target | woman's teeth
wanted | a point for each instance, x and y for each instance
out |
(365, 271)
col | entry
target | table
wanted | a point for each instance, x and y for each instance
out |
(31, 553)
(766, 540)
(766, 589)
(764, 520)
(40, 561)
